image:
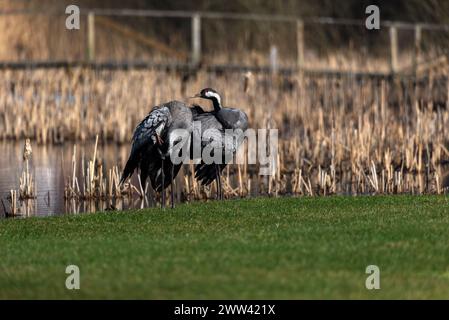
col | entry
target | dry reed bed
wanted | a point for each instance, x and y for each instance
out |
(336, 135)
(20, 200)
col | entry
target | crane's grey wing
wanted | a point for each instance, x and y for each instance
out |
(206, 173)
(144, 137)
(154, 122)
(213, 141)
(233, 118)
(242, 121)
(226, 118)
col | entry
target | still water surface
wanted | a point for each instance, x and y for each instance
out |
(51, 165)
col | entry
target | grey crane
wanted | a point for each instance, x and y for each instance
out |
(220, 119)
(152, 145)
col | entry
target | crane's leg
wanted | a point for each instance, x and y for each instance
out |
(219, 187)
(172, 196)
(163, 185)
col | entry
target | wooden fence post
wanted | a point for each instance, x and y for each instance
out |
(300, 60)
(417, 49)
(90, 36)
(196, 40)
(394, 49)
(300, 44)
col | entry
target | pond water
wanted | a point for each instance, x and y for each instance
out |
(50, 166)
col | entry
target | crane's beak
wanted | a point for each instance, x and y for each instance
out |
(198, 95)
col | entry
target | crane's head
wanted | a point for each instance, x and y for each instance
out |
(210, 94)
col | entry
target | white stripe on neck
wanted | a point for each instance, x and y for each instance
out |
(214, 95)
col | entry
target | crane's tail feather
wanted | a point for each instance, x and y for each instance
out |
(130, 166)
(156, 174)
(207, 173)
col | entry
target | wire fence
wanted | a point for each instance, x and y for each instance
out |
(126, 38)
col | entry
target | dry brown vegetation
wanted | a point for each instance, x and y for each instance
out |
(343, 135)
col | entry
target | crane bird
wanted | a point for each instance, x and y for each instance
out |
(152, 146)
(220, 119)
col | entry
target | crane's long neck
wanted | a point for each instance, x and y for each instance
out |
(216, 100)
(217, 105)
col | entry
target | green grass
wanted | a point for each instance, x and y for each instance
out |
(288, 248)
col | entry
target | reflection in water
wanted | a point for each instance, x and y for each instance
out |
(50, 165)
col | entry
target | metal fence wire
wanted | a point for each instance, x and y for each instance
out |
(127, 38)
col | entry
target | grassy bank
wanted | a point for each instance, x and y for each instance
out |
(260, 248)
